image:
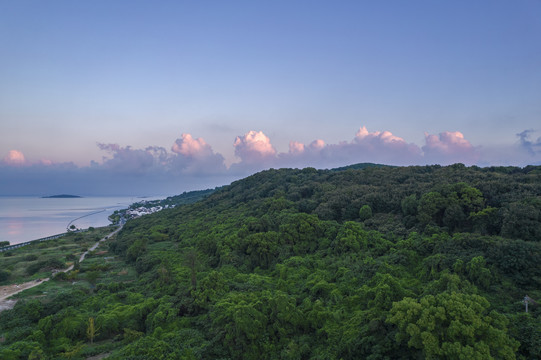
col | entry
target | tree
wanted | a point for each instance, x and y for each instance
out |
(92, 277)
(365, 212)
(351, 237)
(478, 273)
(431, 208)
(192, 260)
(138, 247)
(409, 205)
(91, 330)
(486, 221)
(453, 325)
(73, 351)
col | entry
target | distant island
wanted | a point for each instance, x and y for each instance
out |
(62, 196)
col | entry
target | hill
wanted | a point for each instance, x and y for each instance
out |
(61, 196)
(375, 263)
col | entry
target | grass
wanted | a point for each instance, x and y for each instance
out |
(109, 267)
(98, 267)
(37, 260)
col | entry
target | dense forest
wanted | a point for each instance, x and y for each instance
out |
(361, 262)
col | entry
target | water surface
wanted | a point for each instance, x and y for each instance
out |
(29, 218)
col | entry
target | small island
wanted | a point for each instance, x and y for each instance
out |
(62, 196)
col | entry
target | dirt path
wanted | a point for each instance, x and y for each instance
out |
(10, 290)
(82, 257)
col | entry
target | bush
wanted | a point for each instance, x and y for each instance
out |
(4, 275)
(30, 257)
(48, 264)
(34, 268)
(53, 263)
(60, 276)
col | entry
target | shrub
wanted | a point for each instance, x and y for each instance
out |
(60, 276)
(33, 268)
(53, 263)
(4, 275)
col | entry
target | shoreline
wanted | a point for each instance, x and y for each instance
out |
(27, 218)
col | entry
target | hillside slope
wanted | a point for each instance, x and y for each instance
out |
(375, 263)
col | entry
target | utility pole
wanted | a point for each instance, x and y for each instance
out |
(528, 300)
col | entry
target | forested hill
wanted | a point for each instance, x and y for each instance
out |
(371, 263)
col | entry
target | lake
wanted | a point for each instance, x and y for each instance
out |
(29, 218)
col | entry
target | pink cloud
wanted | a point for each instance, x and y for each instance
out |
(15, 158)
(377, 138)
(296, 147)
(190, 156)
(317, 144)
(447, 142)
(188, 146)
(377, 146)
(380, 146)
(449, 147)
(300, 155)
(254, 146)
(195, 156)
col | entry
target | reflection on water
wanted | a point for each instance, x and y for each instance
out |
(15, 227)
(28, 218)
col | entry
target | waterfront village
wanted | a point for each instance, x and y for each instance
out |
(145, 207)
(132, 213)
(136, 210)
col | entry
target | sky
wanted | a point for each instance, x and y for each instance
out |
(131, 97)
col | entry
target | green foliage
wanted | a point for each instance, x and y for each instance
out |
(4, 275)
(45, 265)
(136, 249)
(351, 237)
(453, 325)
(522, 220)
(369, 263)
(365, 212)
(31, 257)
(91, 330)
(478, 273)
(486, 221)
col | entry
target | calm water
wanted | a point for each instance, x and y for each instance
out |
(28, 218)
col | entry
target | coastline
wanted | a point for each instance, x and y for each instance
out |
(27, 218)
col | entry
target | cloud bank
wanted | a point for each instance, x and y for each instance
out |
(191, 163)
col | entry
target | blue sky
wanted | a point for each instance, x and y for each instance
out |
(190, 94)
